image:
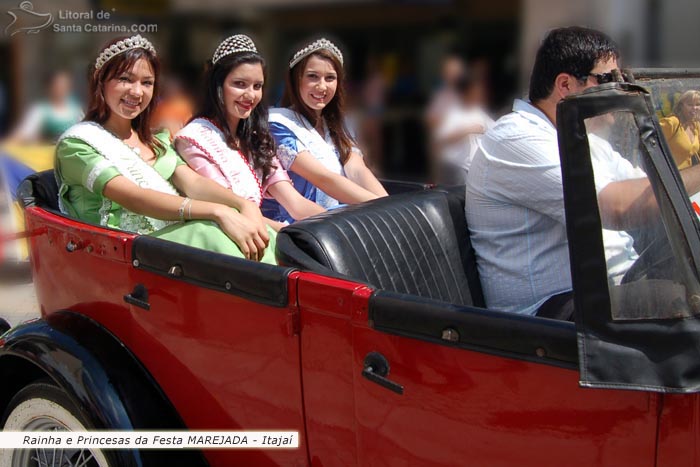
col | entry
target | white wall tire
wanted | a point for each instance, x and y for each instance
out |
(44, 407)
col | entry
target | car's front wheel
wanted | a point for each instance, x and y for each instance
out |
(43, 407)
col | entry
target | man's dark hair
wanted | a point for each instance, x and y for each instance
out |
(573, 50)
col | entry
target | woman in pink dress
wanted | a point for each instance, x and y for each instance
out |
(229, 140)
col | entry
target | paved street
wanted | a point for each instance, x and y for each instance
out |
(17, 297)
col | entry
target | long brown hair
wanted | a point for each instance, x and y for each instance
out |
(253, 132)
(333, 113)
(98, 111)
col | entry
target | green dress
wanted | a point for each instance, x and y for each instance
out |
(82, 173)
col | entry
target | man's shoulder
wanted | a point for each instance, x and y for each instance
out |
(516, 126)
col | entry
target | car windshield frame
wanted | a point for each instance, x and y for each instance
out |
(650, 355)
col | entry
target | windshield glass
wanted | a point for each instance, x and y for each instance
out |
(650, 273)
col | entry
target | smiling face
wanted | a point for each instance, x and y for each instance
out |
(318, 84)
(242, 92)
(130, 93)
(690, 109)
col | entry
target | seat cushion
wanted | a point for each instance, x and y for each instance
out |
(39, 189)
(414, 243)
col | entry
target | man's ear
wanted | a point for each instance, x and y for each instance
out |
(564, 84)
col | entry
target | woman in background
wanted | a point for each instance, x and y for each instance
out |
(682, 130)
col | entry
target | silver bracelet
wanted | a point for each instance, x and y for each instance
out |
(181, 211)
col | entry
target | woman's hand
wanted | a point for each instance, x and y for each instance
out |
(246, 233)
(252, 212)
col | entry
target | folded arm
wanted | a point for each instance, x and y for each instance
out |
(358, 172)
(296, 205)
(335, 185)
(165, 206)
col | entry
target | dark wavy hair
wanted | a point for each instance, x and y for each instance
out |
(253, 133)
(99, 112)
(573, 50)
(332, 113)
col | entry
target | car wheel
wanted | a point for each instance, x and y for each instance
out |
(44, 407)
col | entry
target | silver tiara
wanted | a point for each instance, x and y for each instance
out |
(320, 44)
(134, 42)
(233, 44)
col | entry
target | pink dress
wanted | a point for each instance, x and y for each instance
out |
(202, 145)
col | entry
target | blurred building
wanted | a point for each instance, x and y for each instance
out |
(403, 41)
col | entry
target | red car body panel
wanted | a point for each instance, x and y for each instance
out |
(224, 362)
(522, 405)
(679, 426)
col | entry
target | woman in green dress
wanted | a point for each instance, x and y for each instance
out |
(114, 171)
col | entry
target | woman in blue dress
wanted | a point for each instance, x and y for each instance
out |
(313, 142)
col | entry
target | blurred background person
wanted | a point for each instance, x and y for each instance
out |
(373, 97)
(452, 71)
(455, 138)
(4, 111)
(174, 108)
(682, 130)
(55, 113)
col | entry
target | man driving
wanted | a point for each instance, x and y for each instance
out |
(514, 201)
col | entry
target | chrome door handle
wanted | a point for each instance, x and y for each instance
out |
(138, 297)
(376, 368)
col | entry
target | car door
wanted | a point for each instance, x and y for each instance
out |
(392, 379)
(476, 387)
(217, 334)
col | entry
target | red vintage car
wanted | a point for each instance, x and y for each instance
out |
(372, 339)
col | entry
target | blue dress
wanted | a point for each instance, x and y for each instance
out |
(293, 136)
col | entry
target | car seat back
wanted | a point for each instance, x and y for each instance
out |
(415, 243)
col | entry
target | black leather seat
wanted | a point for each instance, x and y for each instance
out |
(39, 189)
(415, 243)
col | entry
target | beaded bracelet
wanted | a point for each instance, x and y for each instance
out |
(181, 211)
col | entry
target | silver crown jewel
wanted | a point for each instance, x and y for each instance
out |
(133, 42)
(233, 44)
(320, 44)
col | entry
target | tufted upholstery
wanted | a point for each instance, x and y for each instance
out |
(414, 243)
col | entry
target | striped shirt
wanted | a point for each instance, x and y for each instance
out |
(515, 211)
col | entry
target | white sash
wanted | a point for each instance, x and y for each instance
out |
(322, 148)
(239, 173)
(130, 165)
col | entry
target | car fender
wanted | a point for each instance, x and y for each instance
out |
(104, 379)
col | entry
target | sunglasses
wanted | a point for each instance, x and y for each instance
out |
(614, 76)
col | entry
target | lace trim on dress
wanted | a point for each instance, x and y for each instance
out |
(129, 165)
(95, 172)
(286, 155)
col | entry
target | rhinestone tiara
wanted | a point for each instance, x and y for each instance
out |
(233, 44)
(320, 44)
(133, 42)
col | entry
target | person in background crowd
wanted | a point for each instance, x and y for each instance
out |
(47, 120)
(174, 107)
(457, 134)
(682, 130)
(452, 71)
